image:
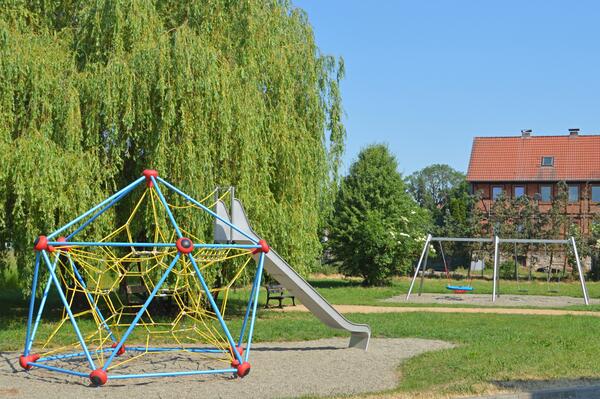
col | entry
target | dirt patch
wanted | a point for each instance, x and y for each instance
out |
(408, 309)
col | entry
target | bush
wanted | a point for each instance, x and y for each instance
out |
(507, 269)
(375, 226)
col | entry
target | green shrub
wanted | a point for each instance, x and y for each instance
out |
(507, 269)
(376, 225)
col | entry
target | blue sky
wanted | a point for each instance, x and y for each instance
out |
(427, 76)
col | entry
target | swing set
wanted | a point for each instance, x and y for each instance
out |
(422, 264)
(549, 270)
(497, 241)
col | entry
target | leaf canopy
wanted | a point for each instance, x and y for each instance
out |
(209, 93)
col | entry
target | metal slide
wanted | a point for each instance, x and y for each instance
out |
(286, 276)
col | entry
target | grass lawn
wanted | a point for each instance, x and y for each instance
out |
(492, 349)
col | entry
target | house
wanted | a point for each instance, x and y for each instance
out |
(534, 165)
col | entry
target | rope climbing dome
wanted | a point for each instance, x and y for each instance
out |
(102, 331)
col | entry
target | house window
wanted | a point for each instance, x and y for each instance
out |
(497, 192)
(573, 193)
(546, 193)
(519, 191)
(596, 193)
(547, 161)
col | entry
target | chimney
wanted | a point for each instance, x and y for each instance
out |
(526, 133)
(573, 132)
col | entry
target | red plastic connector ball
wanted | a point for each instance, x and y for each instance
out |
(184, 245)
(98, 377)
(243, 369)
(65, 248)
(235, 363)
(121, 349)
(40, 243)
(264, 247)
(239, 349)
(31, 358)
(148, 173)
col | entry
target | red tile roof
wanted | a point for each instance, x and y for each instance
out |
(576, 158)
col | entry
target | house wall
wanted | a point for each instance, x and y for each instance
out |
(581, 212)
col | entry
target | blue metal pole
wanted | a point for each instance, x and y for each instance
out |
(198, 273)
(95, 208)
(100, 212)
(148, 244)
(248, 308)
(215, 308)
(226, 246)
(198, 204)
(138, 316)
(153, 349)
(111, 244)
(261, 261)
(171, 374)
(65, 371)
(41, 306)
(90, 298)
(68, 309)
(70, 355)
(166, 206)
(193, 261)
(31, 304)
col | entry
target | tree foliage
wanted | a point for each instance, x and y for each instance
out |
(434, 186)
(208, 93)
(376, 225)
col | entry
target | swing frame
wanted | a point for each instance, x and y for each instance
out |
(569, 242)
(422, 263)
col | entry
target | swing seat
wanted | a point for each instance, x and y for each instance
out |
(459, 289)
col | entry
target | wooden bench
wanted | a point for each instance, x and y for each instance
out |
(279, 293)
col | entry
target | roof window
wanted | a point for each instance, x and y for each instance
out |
(547, 161)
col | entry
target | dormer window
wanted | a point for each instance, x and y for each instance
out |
(547, 161)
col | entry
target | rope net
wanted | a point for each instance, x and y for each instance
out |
(106, 287)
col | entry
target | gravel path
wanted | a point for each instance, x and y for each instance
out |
(439, 309)
(486, 300)
(279, 370)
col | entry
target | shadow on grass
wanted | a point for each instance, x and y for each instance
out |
(555, 388)
(326, 283)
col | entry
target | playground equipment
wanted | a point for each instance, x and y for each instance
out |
(459, 289)
(422, 263)
(547, 265)
(281, 271)
(149, 281)
(569, 243)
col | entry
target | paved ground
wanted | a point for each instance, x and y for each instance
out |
(486, 300)
(439, 309)
(279, 370)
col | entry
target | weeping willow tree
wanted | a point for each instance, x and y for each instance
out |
(209, 93)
